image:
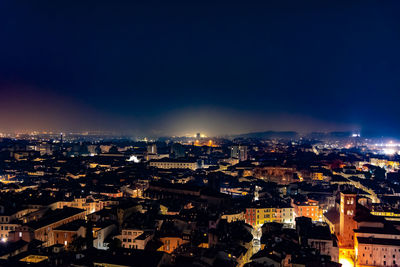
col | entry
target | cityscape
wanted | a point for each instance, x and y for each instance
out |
(196, 133)
(281, 200)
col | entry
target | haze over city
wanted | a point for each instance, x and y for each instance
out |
(172, 68)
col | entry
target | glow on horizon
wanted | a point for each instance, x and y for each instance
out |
(389, 151)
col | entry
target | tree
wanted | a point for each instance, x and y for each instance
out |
(78, 244)
(114, 244)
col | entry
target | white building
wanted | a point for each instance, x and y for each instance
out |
(100, 234)
(377, 244)
(174, 164)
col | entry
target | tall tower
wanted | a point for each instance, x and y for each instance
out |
(347, 223)
(152, 149)
(239, 152)
(61, 141)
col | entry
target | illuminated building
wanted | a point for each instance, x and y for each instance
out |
(43, 228)
(115, 194)
(342, 222)
(239, 152)
(347, 223)
(308, 209)
(34, 259)
(376, 242)
(204, 142)
(135, 191)
(174, 164)
(21, 233)
(6, 228)
(45, 149)
(67, 233)
(170, 243)
(233, 216)
(152, 149)
(135, 238)
(9, 222)
(101, 233)
(259, 215)
(89, 204)
(128, 237)
(317, 176)
(277, 174)
(388, 214)
(234, 191)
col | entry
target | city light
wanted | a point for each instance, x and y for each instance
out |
(346, 262)
(181, 134)
(389, 151)
(134, 159)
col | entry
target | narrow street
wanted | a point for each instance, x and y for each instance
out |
(256, 240)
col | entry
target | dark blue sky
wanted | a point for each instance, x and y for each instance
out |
(179, 67)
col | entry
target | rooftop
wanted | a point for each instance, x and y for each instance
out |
(54, 216)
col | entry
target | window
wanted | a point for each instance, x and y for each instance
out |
(349, 212)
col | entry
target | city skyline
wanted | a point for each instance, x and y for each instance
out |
(200, 133)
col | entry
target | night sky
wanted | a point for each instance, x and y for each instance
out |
(173, 67)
